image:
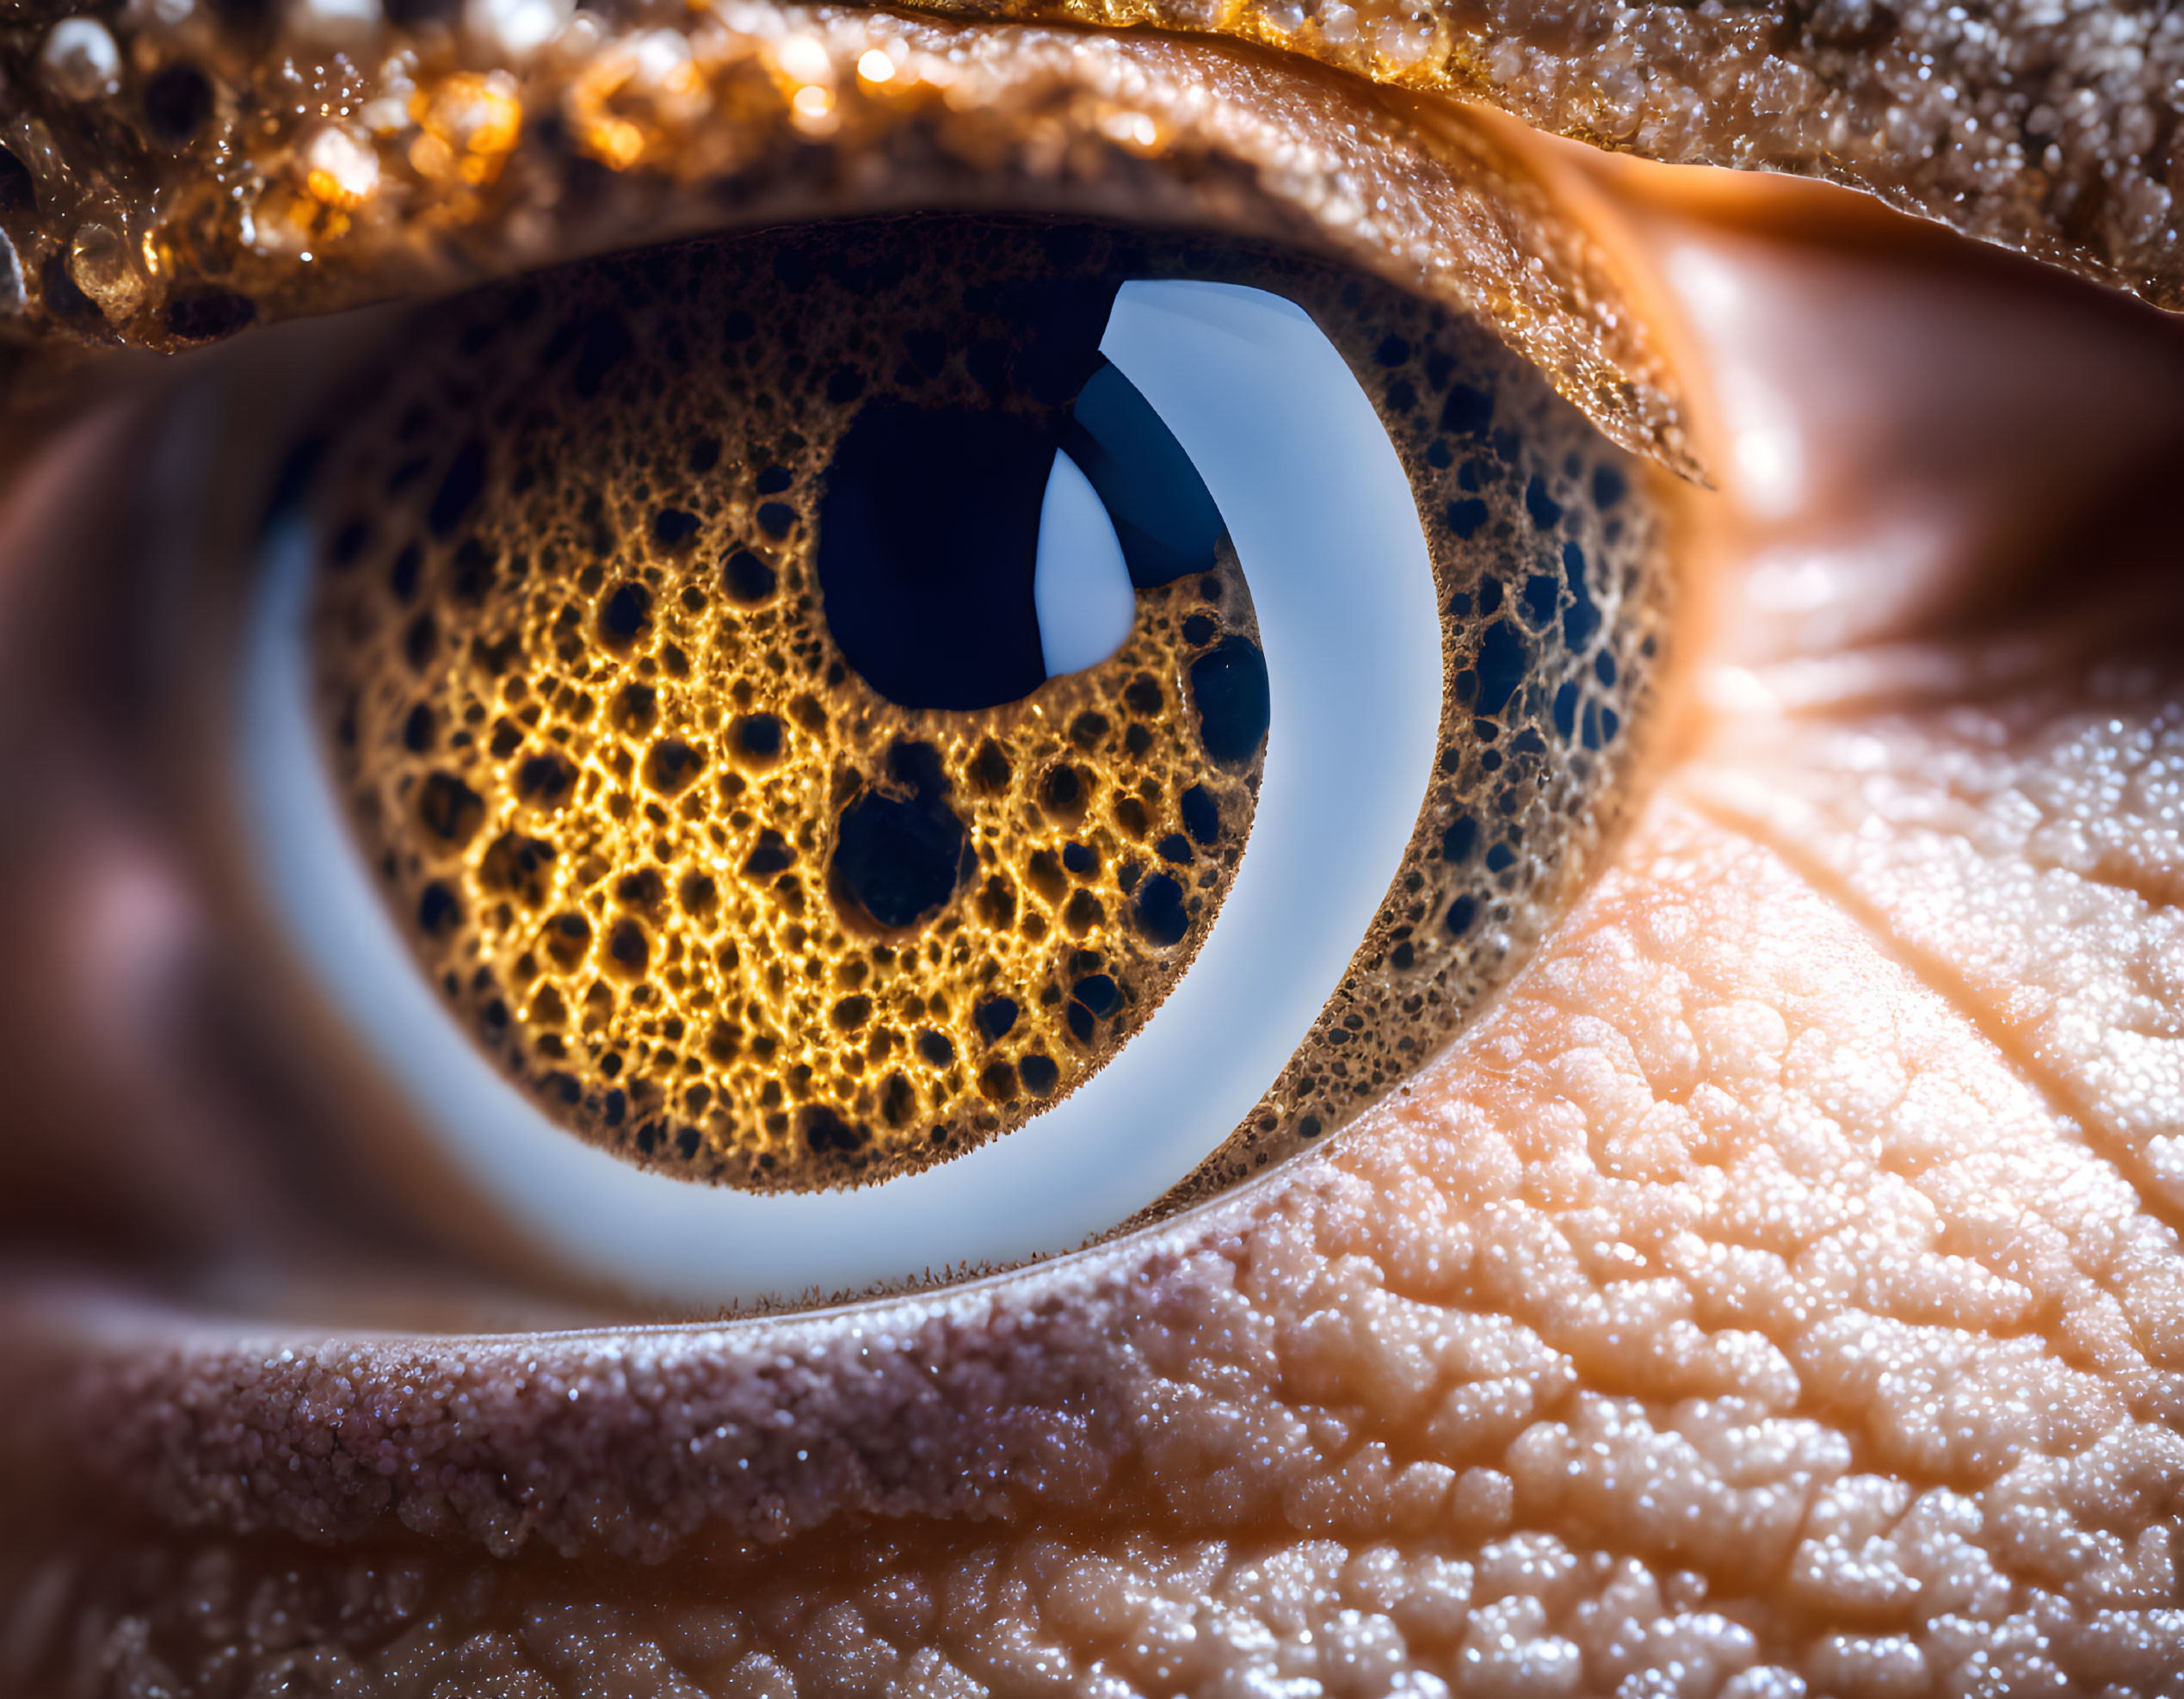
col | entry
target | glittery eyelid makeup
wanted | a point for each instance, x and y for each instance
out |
(483, 174)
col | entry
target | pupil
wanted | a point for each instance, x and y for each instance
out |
(928, 535)
(713, 731)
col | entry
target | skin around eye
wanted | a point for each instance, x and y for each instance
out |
(1769, 1296)
(500, 670)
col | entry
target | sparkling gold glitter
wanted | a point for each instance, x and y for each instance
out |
(600, 744)
(489, 153)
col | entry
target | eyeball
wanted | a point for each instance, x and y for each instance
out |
(829, 756)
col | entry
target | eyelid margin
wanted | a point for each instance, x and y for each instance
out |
(1917, 103)
(1156, 127)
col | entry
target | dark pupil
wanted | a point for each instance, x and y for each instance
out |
(928, 533)
(929, 529)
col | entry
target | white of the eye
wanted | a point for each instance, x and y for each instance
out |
(1326, 527)
(1081, 585)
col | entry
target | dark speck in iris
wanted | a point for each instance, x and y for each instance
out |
(671, 766)
(746, 577)
(1201, 815)
(1581, 620)
(769, 856)
(994, 1018)
(438, 912)
(623, 615)
(900, 858)
(1467, 411)
(545, 781)
(627, 945)
(672, 526)
(759, 736)
(402, 579)
(1228, 681)
(1160, 915)
(1092, 998)
(1566, 709)
(1545, 511)
(1503, 660)
(348, 542)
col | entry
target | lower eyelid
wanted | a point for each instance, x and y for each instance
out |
(823, 1412)
(376, 1370)
(1021, 1387)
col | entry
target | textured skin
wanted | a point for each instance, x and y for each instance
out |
(1739, 1302)
(2047, 128)
(584, 153)
(1775, 1294)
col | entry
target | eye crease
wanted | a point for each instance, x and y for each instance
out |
(682, 776)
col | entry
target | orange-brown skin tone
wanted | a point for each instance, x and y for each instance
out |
(1778, 1284)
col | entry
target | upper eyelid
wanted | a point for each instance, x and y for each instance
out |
(1653, 87)
(1029, 1296)
(1033, 117)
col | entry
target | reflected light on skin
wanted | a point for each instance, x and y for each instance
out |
(1776, 1289)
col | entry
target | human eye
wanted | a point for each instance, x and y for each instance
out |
(1744, 1302)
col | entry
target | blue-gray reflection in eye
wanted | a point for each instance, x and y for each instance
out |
(1292, 456)
(1081, 588)
(966, 555)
